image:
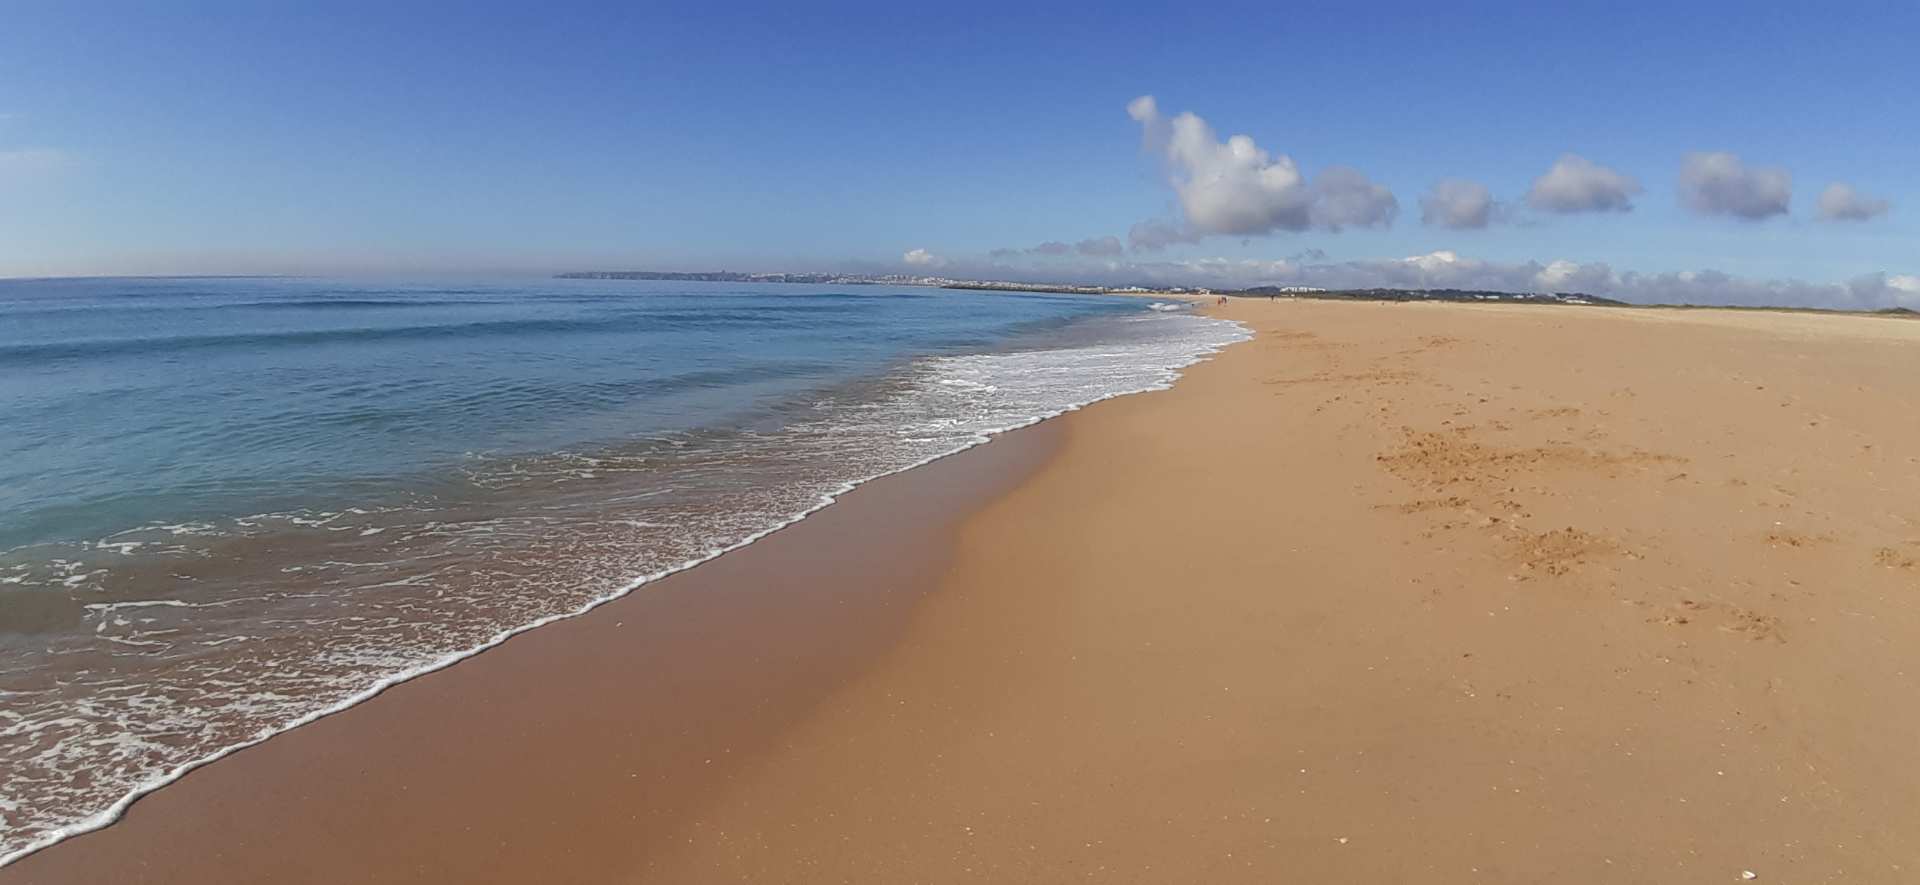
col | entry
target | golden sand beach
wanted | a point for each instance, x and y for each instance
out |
(1390, 593)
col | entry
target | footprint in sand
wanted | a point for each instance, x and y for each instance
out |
(1894, 557)
(1739, 621)
(1788, 538)
(1754, 625)
(1560, 551)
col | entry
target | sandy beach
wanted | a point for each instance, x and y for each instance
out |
(1389, 593)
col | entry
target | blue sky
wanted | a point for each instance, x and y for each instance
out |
(202, 137)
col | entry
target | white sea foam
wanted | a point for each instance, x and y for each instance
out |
(379, 621)
(145, 603)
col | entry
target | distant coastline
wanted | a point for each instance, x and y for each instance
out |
(1309, 292)
(855, 279)
(1087, 289)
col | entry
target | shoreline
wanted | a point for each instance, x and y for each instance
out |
(727, 601)
(113, 813)
(1391, 591)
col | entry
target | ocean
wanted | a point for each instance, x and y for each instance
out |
(231, 505)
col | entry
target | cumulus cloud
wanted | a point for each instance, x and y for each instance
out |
(1718, 183)
(1577, 184)
(1840, 202)
(1434, 262)
(1051, 247)
(1899, 290)
(922, 258)
(1236, 188)
(1457, 204)
(1145, 111)
(1562, 275)
(1343, 197)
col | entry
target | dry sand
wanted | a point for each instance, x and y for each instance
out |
(1391, 593)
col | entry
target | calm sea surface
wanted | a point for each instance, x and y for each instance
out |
(228, 506)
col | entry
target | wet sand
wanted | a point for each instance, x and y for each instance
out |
(1393, 592)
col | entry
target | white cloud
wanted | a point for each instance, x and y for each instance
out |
(1457, 204)
(922, 258)
(1577, 184)
(1143, 109)
(1840, 202)
(1562, 275)
(1718, 183)
(1434, 262)
(1235, 188)
(1343, 197)
(1901, 290)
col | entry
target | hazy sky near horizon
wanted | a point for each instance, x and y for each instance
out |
(1671, 148)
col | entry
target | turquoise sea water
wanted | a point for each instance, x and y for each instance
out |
(230, 505)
